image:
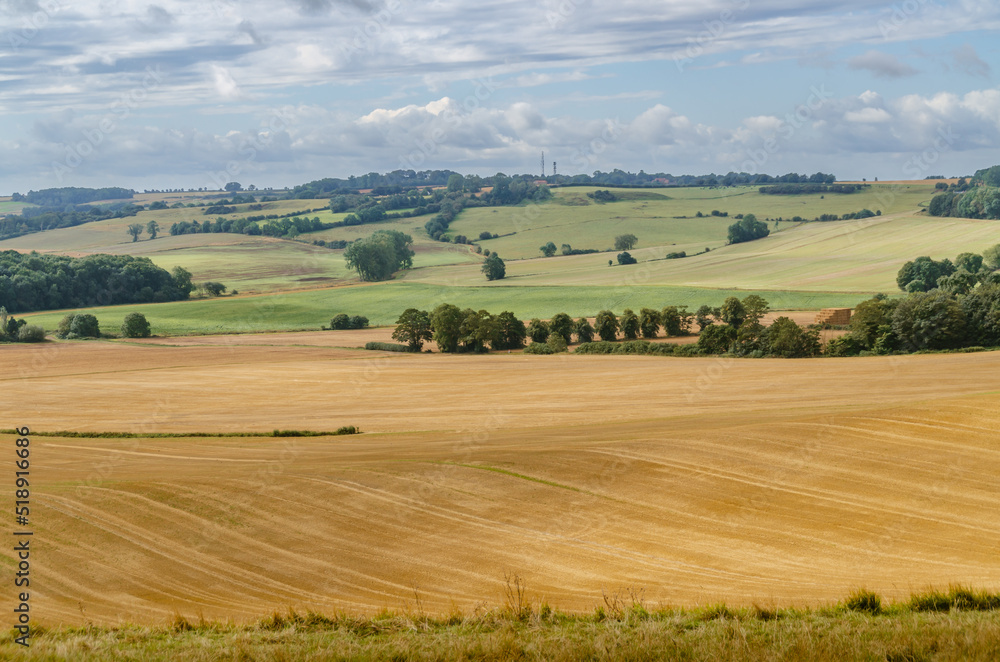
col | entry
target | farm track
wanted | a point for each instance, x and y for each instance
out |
(697, 480)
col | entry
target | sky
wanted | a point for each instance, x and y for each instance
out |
(180, 94)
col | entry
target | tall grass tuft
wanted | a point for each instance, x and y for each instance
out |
(864, 600)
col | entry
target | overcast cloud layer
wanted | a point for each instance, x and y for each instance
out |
(184, 94)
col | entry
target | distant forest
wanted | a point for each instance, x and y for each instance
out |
(366, 198)
(45, 282)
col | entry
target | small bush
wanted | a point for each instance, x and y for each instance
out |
(865, 601)
(135, 326)
(31, 333)
(389, 347)
(930, 601)
(539, 348)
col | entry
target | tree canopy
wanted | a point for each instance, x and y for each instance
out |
(380, 255)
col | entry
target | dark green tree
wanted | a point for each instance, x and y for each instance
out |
(478, 331)
(754, 308)
(717, 339)
(494, 268)
(584, 331)
(868, 319)
(562, 324)
(629, 323)
(704, 316)
(787, 339)
(538, 330)
(152, 228)
(446, 320)
(606, 325)
(413, 328)
(182, 280)
(747, 228)
(548, 250)
(929, 320)
(135, 326)
(380, 255)
(510, 332)
(626, 258)
(649, 322)
(732, 312)
(625, 242)
(922, 274)
(135, 229)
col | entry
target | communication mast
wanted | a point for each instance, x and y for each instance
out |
(543, 164)
(553, 168)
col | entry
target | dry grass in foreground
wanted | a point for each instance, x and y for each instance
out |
(960, 624)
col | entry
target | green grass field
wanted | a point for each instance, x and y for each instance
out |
(573, 218)
(618, 630)
(383, 302)
(857, 256)
(799, 266)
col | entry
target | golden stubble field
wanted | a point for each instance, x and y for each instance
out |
(691, 480)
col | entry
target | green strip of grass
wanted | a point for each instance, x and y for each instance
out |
(382, 304)
(349, 429)
(621, 629)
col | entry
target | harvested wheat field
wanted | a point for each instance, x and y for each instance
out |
(693, 480)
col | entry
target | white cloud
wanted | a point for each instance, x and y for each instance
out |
(225, 85)
(868, 116)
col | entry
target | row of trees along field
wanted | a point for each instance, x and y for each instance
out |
(34, 281)
(733, 327)
(981, 199)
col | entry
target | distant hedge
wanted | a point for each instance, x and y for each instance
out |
(388, 347)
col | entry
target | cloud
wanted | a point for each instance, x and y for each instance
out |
(313, 7)
(967, 59)
(881, 65)
(247, 27)
(223, 82)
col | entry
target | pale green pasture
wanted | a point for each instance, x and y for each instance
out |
(383, 302)
(856, 256)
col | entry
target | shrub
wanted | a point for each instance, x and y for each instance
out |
(78, 325)
(339, 322)
(389, 347)
(626, 258)
(135, 326)
(539, 348)
(865, 601)
(31, 333)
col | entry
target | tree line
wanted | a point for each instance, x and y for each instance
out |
(735, 327)
(34, 281)
(71, 195)
(978, 198)
(39, 219)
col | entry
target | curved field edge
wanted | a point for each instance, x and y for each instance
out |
(537, 632)
(383, 302)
